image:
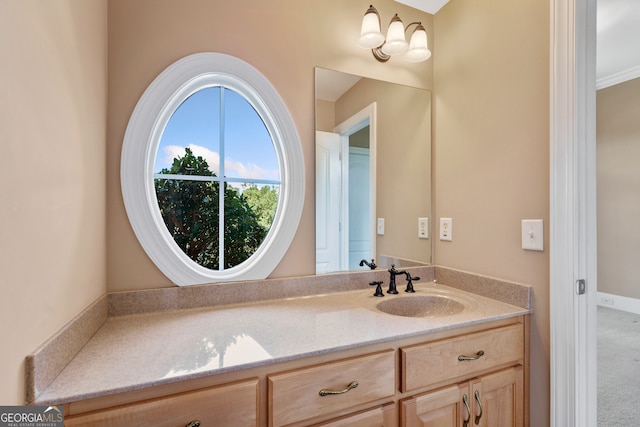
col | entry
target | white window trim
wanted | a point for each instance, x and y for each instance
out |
(153, 110)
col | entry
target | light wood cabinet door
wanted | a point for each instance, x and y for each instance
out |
(440, 408)
(493, 400)
(232, 405)
(498, 399)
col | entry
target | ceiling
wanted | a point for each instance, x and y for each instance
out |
(429, 6)
(330, 85)
(618, 43)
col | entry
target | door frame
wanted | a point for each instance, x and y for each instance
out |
(573, 251)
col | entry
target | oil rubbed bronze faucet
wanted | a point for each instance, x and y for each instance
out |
(392, 279)
(372, 265)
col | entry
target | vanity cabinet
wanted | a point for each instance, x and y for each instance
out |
(232, 405)
(415, 381)
(493, 400)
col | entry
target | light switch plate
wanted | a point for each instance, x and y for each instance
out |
(532, 235)
(423, 228)
(380, 229)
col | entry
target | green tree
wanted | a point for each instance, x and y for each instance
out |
(263, 201)
(190, 210)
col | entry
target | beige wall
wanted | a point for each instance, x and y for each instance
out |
(52, 199)
(403, 162)
(325, 115)
(618, 184)
(491, 151)
(284, 39)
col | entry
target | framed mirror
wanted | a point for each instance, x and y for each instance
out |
(373, 173)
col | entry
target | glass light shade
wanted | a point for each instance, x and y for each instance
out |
(418, 49)
(370, 35)
(396, 43)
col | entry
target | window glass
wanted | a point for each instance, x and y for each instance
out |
(195, 124)
(215, 139)
(248, 148)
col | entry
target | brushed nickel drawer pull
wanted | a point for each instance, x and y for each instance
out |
(477, 356)
(477, 394)
(195, 423)
(325, 392)
(465, 399)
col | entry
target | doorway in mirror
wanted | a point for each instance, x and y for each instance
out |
(345, 193)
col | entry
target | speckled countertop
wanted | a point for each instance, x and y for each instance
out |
(140, 350)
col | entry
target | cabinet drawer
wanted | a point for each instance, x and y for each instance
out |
(295, 396)
(380, 416)
(228, 405)
(431, 363)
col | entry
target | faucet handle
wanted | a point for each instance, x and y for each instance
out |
(378, 286)
(410, 282)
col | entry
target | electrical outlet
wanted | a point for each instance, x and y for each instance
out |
(446, 229)
(606, 300)
(423, 228)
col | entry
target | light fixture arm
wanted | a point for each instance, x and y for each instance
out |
(416, 23)
(379, 54)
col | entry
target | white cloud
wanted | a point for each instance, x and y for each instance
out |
(249, 170)
(212, 158)
(233, 167)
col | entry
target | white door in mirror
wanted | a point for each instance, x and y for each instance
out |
(532, 235)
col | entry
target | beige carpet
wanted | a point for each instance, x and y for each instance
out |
(618, 368)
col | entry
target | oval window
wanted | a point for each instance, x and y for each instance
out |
(222, 183)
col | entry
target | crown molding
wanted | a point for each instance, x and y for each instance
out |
(619, 77)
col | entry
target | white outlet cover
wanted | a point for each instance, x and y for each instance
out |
(380, 229)
(533, 234)
(423, 228)
(446, 229)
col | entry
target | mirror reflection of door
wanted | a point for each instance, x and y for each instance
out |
(344, 205)
(328, 201)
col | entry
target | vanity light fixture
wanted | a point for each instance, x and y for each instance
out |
(395, 43)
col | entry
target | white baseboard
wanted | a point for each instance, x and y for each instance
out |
(632, 305)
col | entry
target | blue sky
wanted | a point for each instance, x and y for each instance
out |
(249, 152)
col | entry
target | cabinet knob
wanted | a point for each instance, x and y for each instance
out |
(195, 423)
